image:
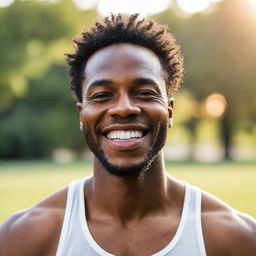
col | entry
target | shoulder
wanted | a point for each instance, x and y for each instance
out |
(34, 231)
(227, 231)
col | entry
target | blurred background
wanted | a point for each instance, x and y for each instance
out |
(215, 111)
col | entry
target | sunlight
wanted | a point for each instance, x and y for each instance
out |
(193, 6)
(5, 3)
(143, 7)
(85, 4)
(252, 5)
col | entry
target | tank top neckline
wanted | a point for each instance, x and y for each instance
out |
(88, 236)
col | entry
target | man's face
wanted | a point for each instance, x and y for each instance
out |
(125, 108)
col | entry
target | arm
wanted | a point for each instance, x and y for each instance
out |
(244, 237)
(227, 232)
(35, 231)
(31, 232)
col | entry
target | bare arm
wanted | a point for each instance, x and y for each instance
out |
(35, 231)
(227, 232)
(244, 235)
(32, 232)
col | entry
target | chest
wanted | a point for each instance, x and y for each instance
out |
(141, 239)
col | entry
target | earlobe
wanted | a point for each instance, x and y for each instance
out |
(170, 110)
(170, 106)
(170, 122)
(79, 106)
(81, 126)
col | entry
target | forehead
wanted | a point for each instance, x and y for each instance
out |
(123, 60)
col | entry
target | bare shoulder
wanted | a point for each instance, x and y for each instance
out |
(34, 231)
(227, 231)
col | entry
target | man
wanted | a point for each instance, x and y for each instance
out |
(124, 74)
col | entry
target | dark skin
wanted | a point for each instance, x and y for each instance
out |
(126, 215)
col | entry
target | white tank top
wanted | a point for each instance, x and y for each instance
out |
(76, 239)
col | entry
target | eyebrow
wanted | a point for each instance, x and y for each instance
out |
(99, 82)
(143, 81)
(137, 81)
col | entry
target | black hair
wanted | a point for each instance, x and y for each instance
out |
(127, 29)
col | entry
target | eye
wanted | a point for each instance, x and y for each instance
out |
(145, 93)
(100, 96)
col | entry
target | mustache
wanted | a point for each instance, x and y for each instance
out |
(122, 121)
(126, 120)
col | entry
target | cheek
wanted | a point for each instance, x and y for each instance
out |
(87, 116)
(159, 112)
(91, 114)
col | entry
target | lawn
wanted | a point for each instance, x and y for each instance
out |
(22, 184)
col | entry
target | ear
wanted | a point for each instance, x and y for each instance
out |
(79, 107)
(170, 106)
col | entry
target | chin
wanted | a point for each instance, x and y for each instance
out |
(120, 169)
(135, 170)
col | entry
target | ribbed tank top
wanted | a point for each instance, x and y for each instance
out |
(76, 239)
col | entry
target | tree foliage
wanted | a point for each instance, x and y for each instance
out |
(220, 56)
(37, 113)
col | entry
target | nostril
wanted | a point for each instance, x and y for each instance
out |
(124, 109)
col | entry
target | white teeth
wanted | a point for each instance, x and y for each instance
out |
(124, 135)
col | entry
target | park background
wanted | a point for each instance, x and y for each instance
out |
(213, 141)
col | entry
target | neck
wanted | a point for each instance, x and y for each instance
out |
(129, 198)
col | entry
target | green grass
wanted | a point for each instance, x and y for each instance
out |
(22, 184)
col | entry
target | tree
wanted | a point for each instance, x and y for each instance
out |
(220, 56)
(36, 107)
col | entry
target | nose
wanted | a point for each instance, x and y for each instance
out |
(124, 107)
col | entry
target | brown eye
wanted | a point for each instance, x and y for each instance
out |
(100, 97)
(144, 93)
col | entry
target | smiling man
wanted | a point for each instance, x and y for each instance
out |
(124, 73)
(124, 112)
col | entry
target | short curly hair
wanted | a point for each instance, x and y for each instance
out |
(127, 29)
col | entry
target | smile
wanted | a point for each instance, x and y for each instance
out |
(124, 134)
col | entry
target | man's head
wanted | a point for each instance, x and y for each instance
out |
(123, 83)
(123, 29)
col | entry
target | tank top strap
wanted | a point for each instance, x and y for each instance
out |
(185, 215)
(194, 222)
(76, 239)
(198, 217)
(72, 200)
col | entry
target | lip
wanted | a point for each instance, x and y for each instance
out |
(125, 145)
(128, 144)
(124, 127)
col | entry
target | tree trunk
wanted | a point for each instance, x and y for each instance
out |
(226, 132)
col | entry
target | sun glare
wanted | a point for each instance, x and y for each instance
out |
(85, 4)
(5, 3)
(143, 7)
(193, 6)
(252, 5)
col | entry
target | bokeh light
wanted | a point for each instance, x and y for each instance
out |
(85, 4)
(5, 3)
(193, 6)
(215, 105)
(252, 5)
(143, 7)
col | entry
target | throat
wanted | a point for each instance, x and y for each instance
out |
(129, 198)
